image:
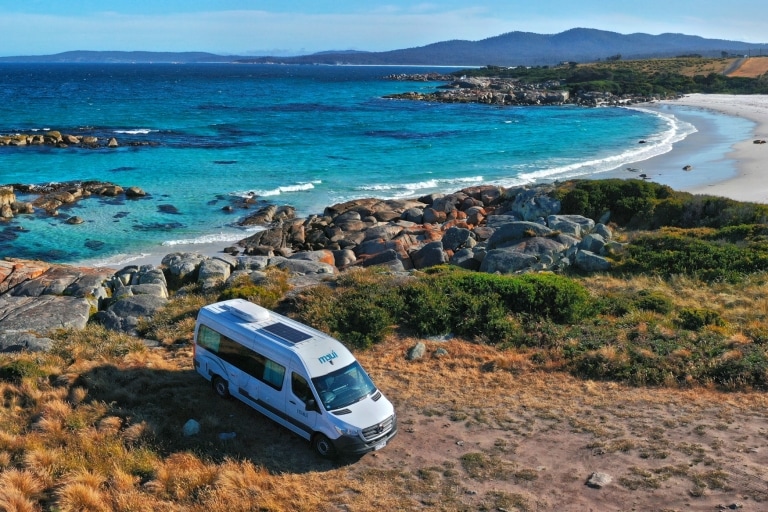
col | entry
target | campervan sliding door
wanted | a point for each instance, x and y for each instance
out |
(301, 408)
(271, 389)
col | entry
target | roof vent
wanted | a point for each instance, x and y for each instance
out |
(248, 311)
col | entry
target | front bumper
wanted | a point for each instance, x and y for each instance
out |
(355, 445)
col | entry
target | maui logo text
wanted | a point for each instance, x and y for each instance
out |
(327, 357)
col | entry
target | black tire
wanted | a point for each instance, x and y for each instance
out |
(323, 446)
(220, 387)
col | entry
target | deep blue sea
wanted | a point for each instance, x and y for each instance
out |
(308, 136)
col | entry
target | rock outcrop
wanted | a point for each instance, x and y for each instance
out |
(57, 139)
(487, 228)
(36, 297)
(53, 196)
(510, 91)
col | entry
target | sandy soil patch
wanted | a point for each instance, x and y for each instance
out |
(752, 67)
(477, 433)
(530, 441)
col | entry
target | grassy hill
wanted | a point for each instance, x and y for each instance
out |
(680, 75)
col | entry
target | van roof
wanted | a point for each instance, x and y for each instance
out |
(320, 353)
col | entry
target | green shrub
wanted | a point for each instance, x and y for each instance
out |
(558, 298)
(427, 309)
(362, 323)
(630, 202)
(613, 305)
(480, 305)
(315, 306)
(748, 368)
(653, 301)
(671, 252)
(694, 319)
(18, 369)
(267, 294)
(362, 309)
(645, 205)
(718, 212)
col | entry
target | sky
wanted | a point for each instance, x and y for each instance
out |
(296, 27)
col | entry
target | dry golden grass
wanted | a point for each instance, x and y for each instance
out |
(682, 66)
(22, 482)
(753, 67)
(98, 428)
(743, 306)
(12, 500)
(82, 497)
(182, 475)
(102, 461)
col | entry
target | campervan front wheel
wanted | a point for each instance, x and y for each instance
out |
(221, 387)
(323, 446)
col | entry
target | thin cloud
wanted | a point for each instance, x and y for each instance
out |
(382, 28)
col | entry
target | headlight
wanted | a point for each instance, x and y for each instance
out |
(346, 431)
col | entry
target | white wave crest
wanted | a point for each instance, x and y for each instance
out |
(211, 238)
(434, 183)
(116, 261)
(658, 144)
(286, 189)
(135, 131)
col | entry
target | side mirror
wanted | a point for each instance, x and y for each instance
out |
(312, 405)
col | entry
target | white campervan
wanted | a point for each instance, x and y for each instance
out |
(297, 376)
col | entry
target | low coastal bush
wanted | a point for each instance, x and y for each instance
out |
(175, 322)
(697, 318)
(630, 203)
(653, 301)
(464, 294)
(671, 252)
(15, 370)
(267, 293)
(639, 204)
(363, 309)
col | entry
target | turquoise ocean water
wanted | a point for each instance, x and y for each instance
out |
(308, 136)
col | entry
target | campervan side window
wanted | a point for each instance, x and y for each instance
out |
(241, 357)
(273, 374)
(208, 338)
(300, 387)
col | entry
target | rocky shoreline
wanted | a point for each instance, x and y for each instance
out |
(52, 196)
(510, 91)
(486, 229)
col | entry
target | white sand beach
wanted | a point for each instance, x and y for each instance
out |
(751, 160)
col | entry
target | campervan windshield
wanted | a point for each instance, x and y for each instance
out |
(344, 387)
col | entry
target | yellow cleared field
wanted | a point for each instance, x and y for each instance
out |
(752, 68)
(691, 66)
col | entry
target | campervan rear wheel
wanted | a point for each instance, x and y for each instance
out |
(323, 446)
(221, 387)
